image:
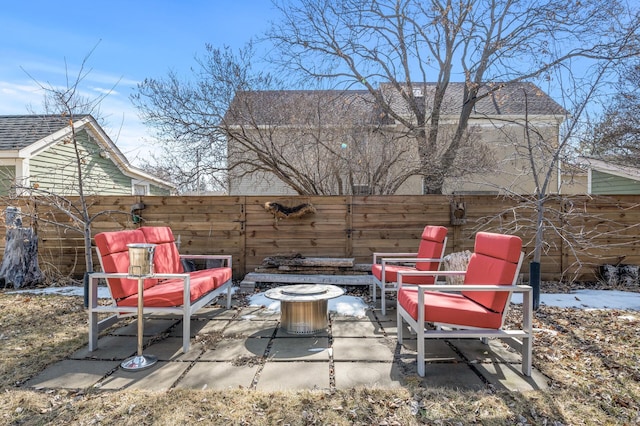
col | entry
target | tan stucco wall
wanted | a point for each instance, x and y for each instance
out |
(504, 139)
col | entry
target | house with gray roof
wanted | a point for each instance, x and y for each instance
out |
(609, 178)
(36, 152)
(309, 127)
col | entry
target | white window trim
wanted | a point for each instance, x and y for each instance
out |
(138, 183)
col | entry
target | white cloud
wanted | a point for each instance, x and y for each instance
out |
(19, 98)
(104, 91)
(122, 124)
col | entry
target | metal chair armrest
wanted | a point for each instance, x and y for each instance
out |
(377, 255)
(226, 257)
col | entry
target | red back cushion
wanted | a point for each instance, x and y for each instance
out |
(494, 261)
(166, 259)
(115, 258)
(431, 247)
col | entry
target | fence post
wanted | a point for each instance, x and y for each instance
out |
(534, 282)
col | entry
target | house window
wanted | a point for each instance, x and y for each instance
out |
(140, 189)
(7, 180)
(361, 190)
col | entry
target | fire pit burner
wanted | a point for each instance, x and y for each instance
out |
(304, 308)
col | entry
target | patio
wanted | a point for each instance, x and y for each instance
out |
(245, 347)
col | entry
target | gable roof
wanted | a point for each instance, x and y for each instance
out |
(20, 131)
(496, 99)
(299, 107)
(22, 136)
(620, 170)
(332, 106)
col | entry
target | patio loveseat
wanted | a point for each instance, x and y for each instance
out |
(170, 290)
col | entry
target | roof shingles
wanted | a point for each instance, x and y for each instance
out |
(20, 131)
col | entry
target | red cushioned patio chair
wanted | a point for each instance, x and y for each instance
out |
(386, 266)
(170, 290)
(475, 309)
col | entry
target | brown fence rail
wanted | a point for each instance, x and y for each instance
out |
(581, 232)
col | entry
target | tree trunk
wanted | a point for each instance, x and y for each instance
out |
(20, 262)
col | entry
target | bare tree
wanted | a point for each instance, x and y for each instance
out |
(317, 142)
(187, 115)
(400, 44)
(74, 180)
(545, 156)
(615, 136)
(234, 122)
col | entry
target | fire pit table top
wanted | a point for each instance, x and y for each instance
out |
(304, 292)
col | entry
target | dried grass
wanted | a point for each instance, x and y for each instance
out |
(591, 358)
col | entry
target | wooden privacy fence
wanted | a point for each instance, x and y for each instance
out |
(582, 232)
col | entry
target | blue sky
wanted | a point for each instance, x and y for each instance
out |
(135, 40)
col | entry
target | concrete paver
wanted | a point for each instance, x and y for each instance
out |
(509, 377)
(213, 326)
(215, 311)
(232, 349)
(300, 348)
(258, 314)
(447, 375)
(218, 376)
(296, 375)
(246, 347)
(356, 329)
(72, 374)
(170, 349)
(159, 377)
(367, 349)
(385, 375)
(435, 351)
(151, 327)
(112, 348)
(493, 351)
(248, 328)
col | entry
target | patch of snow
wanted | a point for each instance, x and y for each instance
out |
(594, 299)
(344, 305)
(103, 292)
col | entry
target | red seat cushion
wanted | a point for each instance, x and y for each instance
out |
(449, 308)
(166, 258)
(170, 292)
(159, 293)
(219, 275)
(115, 259)
(494, 262)
(391, 274)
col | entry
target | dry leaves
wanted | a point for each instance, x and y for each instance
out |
(591, 357)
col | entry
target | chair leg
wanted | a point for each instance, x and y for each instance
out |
(186, 331)
(526, 356)
(229, 297)
(94, 328)
(383, 304)
(421, 350)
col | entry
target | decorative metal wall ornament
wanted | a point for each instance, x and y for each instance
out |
(280, 211)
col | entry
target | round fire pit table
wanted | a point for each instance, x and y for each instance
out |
(304, 308)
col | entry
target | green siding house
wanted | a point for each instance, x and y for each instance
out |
(36, 151)
(612, 179)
